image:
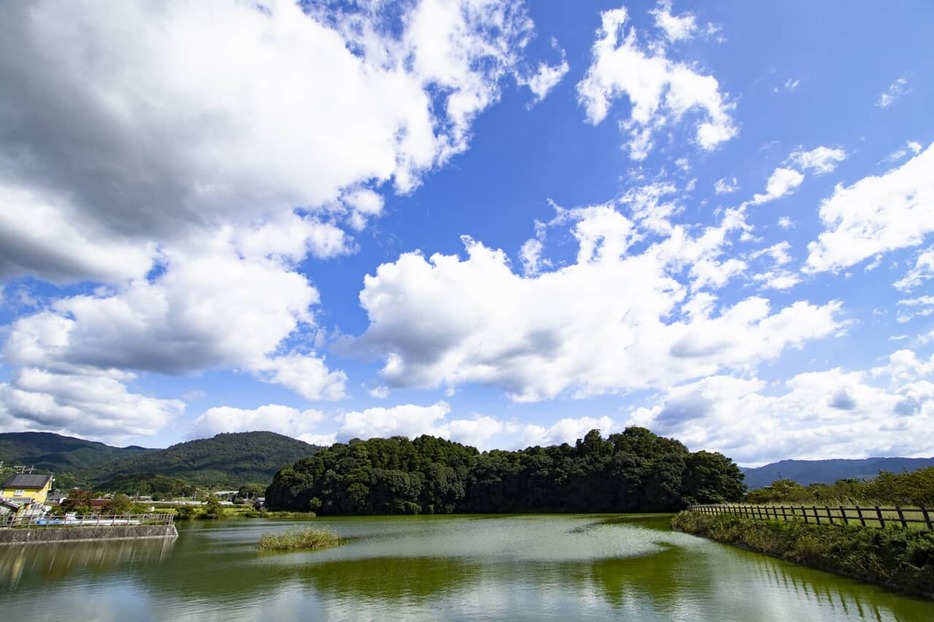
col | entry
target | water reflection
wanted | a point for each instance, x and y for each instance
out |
(446, 568)
(54, 562)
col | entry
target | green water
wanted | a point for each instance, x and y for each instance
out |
(432, 568)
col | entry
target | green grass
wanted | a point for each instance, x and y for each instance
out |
(299, 540)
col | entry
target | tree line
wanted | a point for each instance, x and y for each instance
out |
(915, 488)
(631, 471)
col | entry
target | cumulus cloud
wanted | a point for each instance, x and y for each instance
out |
(877, 214)
(209, 308)
(782, 181)
(481, 431)
(834, 413)
(82, 401)
(676, 28)
(546, 77)
(614, 321)
(200, 133)
(269, 418)
(190, 178)
(661, 91)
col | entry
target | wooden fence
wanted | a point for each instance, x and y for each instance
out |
(917, 518)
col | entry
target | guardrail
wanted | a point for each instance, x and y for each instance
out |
(39, 522)
(874, 516)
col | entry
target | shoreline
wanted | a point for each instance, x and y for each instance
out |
(897, 559)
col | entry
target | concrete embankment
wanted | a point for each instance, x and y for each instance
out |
(84, 534)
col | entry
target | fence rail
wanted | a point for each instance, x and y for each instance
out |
(874, 516)
(41, 522)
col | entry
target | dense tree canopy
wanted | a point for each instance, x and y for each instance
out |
(631, 471)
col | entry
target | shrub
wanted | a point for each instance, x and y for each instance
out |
(305, 539)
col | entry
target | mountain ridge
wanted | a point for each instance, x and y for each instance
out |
(227, 459)
(829, 470)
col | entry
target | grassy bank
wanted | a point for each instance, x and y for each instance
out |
(304, 539)
(899, 559)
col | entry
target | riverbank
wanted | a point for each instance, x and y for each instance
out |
(85, 534)
(898, 559)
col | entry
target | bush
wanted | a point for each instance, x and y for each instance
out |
(305, 539)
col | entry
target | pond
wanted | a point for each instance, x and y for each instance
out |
(432, 568)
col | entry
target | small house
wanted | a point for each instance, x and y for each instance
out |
(26, 488)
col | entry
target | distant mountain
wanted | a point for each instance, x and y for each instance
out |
(54, 453)
(828, 471)
(227, 460)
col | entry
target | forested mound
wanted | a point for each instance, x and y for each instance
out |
(632, 471)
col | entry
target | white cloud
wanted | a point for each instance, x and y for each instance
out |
(829, 414)
(915, 307)
(84, 402)
(269, 418)
(726, 186)
(675, 28)
(892, 93)
(876, 215)
(911, 147)
(141, 150)
(546, 77)
(922, 271)
(210, 307)
(447, 321)
(660, 91)
(820, 160)
(481, 431)
(782, 181)
(201, 133)
(531, 256)
(404, 420)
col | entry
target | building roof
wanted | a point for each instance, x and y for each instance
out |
(27, 480)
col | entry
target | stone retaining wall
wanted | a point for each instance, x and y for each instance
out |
(78, 533)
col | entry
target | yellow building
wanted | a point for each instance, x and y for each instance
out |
(26, 488)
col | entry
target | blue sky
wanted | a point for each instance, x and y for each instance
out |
(502, 223)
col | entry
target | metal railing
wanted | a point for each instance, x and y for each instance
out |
(874, 516)
(39, 522)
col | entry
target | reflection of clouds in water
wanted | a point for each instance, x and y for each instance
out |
(508, 539)
(449, 568)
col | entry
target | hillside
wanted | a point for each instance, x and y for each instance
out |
(227, 460)
(807, 472)
(56, 454)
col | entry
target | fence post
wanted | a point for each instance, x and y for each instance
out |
(927, 518)
(784, 517)
(816, 517)
(829, 515)
(859, 513)
(879, 516)
(901, 517)
(843, 513)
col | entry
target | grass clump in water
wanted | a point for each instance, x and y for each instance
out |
(308, 539)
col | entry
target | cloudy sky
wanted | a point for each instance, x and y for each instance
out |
(498, 222)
